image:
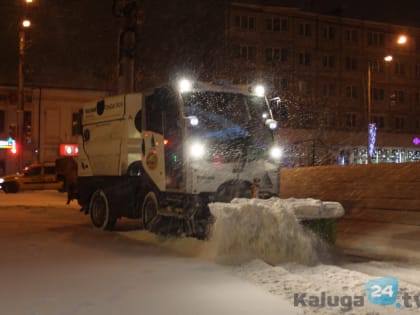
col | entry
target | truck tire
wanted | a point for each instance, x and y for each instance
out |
(149, 210)
(100, 214)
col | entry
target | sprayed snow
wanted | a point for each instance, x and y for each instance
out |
(267, 229)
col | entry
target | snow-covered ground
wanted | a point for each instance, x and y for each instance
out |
(263, 242)
(276, 254)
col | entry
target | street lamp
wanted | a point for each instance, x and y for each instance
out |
(401, 40)
(21, 93)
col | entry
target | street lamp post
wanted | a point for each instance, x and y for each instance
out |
(371, 126)
(21, 92)
(401, 40)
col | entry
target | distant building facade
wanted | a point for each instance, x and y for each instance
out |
(318, 66)
(50, 120)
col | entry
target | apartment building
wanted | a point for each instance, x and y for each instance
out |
(318, 65)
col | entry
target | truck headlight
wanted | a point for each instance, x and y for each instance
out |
(1, 180)
(193, 120)
(197, 150)
(271, 123)
(259, 90)
(184, 85)
(276, 152)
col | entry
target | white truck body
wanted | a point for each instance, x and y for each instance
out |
(175, 151)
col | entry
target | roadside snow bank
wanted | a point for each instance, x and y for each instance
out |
(268, 229)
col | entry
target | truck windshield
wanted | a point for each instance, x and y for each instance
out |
(230, 122)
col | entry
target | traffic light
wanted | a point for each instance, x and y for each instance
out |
(14, 148)
(27, 133)
(12, 131)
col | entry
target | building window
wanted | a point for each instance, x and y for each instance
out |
(328, 62)
(399, 122)
(284, 54)
(27, 126)
(270, 54)
(305, 29)
(351, 91)
(284, 25)
(245, 52)
(280, 83)
(351, 35)
(328, 32)
(379, 121)
(378, 94)
(245, 23)
(399, 69)
(276, 24)
(417, 70)
(351, 64)
(375, 39)
(377, 65)
(305, 88)
(276, 54)
(397, 96)
(305, 59)
(350, 120)
(329, 119)
(284, 84)
(2, 118)
(328, 89)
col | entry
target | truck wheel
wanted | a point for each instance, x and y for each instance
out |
(100, 214)
(149, 210)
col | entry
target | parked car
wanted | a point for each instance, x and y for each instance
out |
(33, 177)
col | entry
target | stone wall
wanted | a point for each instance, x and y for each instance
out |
(382, 203)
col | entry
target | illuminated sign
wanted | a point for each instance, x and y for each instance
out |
(69, 149)
(372, 139)
(7, 144)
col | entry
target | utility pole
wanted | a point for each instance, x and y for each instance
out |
(21, 94)
(131, 18)
(371, 141)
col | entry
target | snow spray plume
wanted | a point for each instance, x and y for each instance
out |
(265, 229)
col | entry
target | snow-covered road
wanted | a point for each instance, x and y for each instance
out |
(50, 269)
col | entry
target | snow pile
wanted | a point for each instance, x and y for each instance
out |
(267, 229)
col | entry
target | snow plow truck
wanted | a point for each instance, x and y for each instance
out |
(164, 154)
